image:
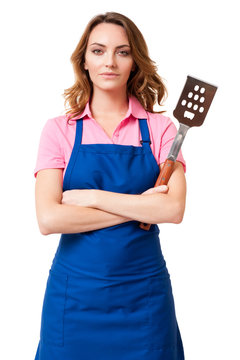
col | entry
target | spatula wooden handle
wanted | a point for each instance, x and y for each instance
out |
(162, 179)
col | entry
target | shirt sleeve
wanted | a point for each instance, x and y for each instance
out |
(50, 154)
(169, 132)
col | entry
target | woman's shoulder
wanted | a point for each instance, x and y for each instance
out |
(57, 121)
(57, 125)
(159, 121)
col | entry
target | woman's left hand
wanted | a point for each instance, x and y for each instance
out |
(84, 197)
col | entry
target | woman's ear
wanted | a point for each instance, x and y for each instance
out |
(85, 66)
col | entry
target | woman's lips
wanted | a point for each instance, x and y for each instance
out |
(109, 76)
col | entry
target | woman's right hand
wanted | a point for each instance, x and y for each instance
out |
(157, 189)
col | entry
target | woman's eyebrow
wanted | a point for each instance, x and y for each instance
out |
(117, 47)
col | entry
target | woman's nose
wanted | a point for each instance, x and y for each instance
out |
(110, 59)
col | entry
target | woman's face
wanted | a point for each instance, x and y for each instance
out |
(108, 51)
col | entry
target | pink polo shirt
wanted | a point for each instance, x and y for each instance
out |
(58, 136)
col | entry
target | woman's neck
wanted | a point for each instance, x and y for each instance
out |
(105, 103)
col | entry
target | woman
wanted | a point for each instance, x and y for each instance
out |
(108, 294)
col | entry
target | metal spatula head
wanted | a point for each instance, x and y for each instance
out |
(194, 102)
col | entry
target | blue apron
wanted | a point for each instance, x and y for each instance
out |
(108, 294)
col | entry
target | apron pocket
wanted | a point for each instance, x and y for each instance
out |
(163, 325)
(102, 313)
(52, 321)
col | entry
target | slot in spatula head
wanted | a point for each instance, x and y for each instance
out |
(194, 102)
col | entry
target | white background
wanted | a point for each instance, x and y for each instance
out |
(198, 38)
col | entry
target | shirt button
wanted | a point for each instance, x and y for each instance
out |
(117, 134)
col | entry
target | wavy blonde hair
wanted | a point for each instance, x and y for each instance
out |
(144, 83)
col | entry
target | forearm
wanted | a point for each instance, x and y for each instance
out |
(152, 209)
(66, 219)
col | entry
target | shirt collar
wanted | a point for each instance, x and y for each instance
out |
(134, 108)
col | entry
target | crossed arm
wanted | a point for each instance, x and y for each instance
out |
(90, 209)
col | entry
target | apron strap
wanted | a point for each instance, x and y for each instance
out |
(79, 128)
(144, 132)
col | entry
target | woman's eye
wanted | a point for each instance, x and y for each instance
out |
(97, 51)
(124, 52)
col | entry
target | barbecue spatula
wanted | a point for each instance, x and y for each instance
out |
(191, 110)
